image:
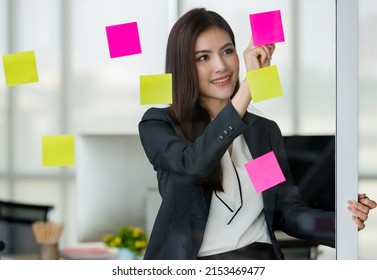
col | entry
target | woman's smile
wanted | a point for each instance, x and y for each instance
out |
(221, 81)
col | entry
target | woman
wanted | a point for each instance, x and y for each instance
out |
(198, 147)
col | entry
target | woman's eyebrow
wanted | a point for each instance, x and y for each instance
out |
(229, 44)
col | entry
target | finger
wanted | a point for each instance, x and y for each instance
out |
(358, 210)
(358, 214)
(267, 50)
(251, 60)
(371, 204)
(261, 54)
(359, 206)
(256, 57)
(364, 199)
(271, 48)
(358, 222)
(266, 57)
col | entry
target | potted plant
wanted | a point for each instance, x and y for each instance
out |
(129, 240)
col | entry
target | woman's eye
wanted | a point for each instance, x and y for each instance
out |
(229, 51)
(202, 58)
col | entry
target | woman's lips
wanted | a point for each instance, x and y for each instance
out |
(221, 81)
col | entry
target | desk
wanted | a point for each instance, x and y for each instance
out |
(19, 257)
(87, 254)
(69, 254)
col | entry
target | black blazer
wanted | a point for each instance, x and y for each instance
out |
(179, 226)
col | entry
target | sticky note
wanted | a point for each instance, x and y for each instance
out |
(264, 83)
(123, 39)
(156, 89)
(266, 28)
(264, 172)
(20, 68)
(58, 150)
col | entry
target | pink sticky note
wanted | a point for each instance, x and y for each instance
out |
(266, 28)
(123, 39)
(264, 172)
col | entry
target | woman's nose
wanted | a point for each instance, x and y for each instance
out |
(219, 64)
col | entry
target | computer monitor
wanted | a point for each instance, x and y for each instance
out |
(16, 219)
(112, 176)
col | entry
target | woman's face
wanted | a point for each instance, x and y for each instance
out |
(217, 65)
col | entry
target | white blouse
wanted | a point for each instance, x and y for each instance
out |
(249, 224)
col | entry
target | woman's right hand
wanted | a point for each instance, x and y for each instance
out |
(255, 58)
(258, 57)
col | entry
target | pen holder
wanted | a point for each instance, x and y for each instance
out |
(49, 252)
(47, 235)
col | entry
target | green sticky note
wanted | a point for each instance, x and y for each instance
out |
(20, 68)
(264, 83)
(58, 150)
(156, 89)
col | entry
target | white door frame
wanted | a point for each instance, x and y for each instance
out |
(346, 126)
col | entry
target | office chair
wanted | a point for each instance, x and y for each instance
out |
(16, 234)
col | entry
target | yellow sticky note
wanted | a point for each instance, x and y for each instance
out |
(58, 150)
(264, 83)
(156, 89)
(20, 68)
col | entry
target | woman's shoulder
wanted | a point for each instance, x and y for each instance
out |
(156, 113)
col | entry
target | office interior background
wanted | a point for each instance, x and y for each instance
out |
(82, 91)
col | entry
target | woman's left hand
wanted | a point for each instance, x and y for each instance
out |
(360, 209)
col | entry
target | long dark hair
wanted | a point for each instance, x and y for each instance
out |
(190, 117)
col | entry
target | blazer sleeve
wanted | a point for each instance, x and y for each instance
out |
(166, 149)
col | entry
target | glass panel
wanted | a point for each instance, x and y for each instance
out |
(36, 105)
(315, 73)
(105, 92)
(38, 191)
(3, 130)
(3, 88)
(367, 121)
(4, 189)
(367, 88)
(68, 214)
